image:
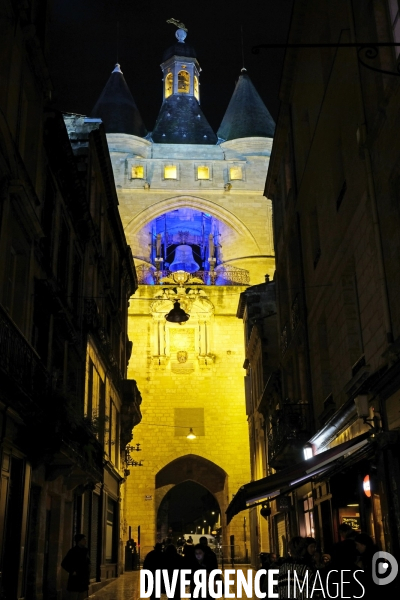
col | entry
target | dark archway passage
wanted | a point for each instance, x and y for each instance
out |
(199, 489)
(187, 508)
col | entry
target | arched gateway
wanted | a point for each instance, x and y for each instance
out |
(192, 468)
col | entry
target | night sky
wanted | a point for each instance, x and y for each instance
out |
(84, 46)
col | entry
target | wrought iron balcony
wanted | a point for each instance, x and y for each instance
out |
(219, 276)
(19, 362)
(288, 434)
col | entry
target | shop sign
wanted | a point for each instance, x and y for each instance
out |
(367, 486)
(354, 522)
(283, 503)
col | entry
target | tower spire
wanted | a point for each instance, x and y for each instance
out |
(241, 31)
(246, 115)
(117, 108)
(181, 120)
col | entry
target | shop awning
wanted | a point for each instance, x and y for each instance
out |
(257, 492)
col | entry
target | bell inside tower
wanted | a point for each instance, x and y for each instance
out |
(183, 260)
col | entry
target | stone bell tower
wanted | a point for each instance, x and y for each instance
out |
(193, 211)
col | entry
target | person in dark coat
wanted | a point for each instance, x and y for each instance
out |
(201, 562)
(366, 549)
(172, 561)
(344, 553)
(211, 557)
(77, 564)
(154, 561)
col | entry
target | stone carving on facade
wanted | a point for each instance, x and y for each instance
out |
(181, 277)
(193, 301)
(182, 356)
(185, 342)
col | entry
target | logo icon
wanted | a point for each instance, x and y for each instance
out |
(384, 568)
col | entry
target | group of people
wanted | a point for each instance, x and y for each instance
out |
(352, 555)
(349, 564)
(193, 557)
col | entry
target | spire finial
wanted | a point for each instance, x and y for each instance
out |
(117, 69)
(181, 33)
(243, 67)
(177, 24)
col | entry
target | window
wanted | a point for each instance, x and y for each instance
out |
(138, 172)
(169, 85)
(308, 505)
(183, 82)
(235, 173)
(394, 11)
(63, 255)
(315, 238)
(111, 530)
(113, 452)
(170, 172)
(16, 261)
(94, 403)
(203, 172)
(196, 87)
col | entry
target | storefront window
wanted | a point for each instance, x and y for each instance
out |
(110, 533)
(308, 505)
(280, 524)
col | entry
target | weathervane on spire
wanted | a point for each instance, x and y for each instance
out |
(181, 32)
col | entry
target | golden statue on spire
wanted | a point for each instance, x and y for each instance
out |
(177, 23)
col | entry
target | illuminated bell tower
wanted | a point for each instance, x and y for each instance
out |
(181, 121)
(181, 69)
(200, 230)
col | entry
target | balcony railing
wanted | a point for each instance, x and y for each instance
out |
(289, 432)
(19, 361)
(220, 276)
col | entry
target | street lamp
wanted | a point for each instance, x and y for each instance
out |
(191, 435)
(177, 314)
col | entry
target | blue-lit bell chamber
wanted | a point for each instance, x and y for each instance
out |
(183, 260)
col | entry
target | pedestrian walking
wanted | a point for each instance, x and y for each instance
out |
(77, 564)
(172, 561)
(366, 549)
(154, 561)
(344, 553)
(202, 562)
(211, 560)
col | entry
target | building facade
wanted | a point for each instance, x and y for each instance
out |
(66, 275)
(257, 309)
(200, 230)
(333, 179)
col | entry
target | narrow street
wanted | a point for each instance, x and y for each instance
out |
(126, 587)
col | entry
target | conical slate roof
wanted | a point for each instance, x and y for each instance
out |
(117, 109)
(246, 115)
(181, 121)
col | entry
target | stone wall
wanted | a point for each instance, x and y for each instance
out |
(217, 388)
